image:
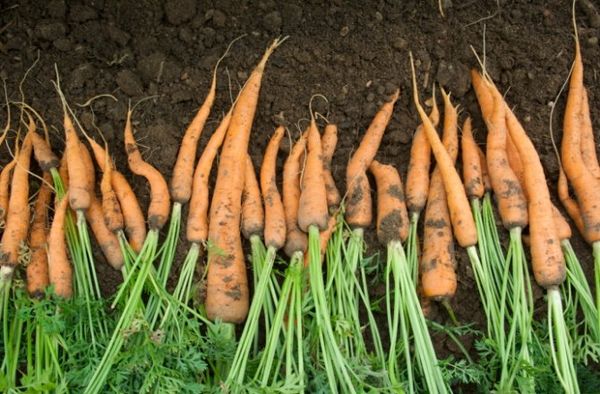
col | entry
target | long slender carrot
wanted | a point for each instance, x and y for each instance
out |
(227, 284)
(588, 146)
(5, 177)
(581, 178)
(158, 210)
(37, 269)
(17, 213)
(111, 208)
(60, 270)
(275, 229)
(79, 193)
(253, 213)
(471, 163)
(417, 178)
(358, 205)
(312, 208)
(296, 240)
(107, 240)
(458, 204)
(133, 217)
(392, 217)
(328, 143)
(197, 222)
(438, 265)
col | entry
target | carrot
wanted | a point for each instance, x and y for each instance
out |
(90, 176)
(253, 213)
(63, 169)
(547, 259)
(514, 160)
(296, 240)
(107, 240)
(588, 147)
(79, 193)
(133, 218)
(43, 153)
(438, 275)
(328, 143)
(275, 229)
(471, 163)
(17, 213)
(158, 210)
(584, 184)
(484, 97)
(197, 223)
(312, 207)
(511, 200)
(562, 226)
(227, 284)
(5, 177)
(60, 271)
(358, 206)
(569, 203)
(458, 204)
(392, 217)
(417, 178)
(111, 209)
(37, 269)
(182, 177)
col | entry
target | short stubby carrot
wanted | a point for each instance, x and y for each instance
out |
(392, 217)
(275, 229)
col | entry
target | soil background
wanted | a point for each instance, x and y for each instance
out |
(353, 53)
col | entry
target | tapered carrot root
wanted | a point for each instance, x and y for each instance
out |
(485, 175)
(37, 269)
(253, 213)
(18, 213)
(312, 209)
(111, 209)
(511, 200)
(275, 229)
(484, 97)
(133, 218)
(227, 284)
(569, 203)
(296, 240)
(547, 258)
(358, 205)
(588, 147)
(158, 210)
(79, 193)
(471, 163)
(5, 177)
(197, 223)
(328, 143)
(437, 267)
(417, 178)
(43, 154)
(585, 185)
(460, 213)
(59, 268)
(392, 217)
(107, 240)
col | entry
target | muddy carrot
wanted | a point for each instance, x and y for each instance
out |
(296, 240)
(275, 229)
(37, 269)
(197, 223)
(60, 271)
(358, 205)
(471, 163)
(392, 217)
(43, 154)
(328, 143)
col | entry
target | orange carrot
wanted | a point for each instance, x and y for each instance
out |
(328, 143)
(5, 177)
(197, 223)
(458, 203)
(392, 217)
(569, 203)
(275, 230)
(487, 184)
(111, 209)
(60, 271)
(18, 213)
(484, 97)
(158, 210)
(358, 205)
(227, 283)
(471, 163)
(107, 240)
(253, 214)
(296, 240)
(312, 208)
(588, 147)
(417, 178)
(79, 193)
(43, 153)
(37, 269)
(562, 226)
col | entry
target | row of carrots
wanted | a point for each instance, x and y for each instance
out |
(311, 314)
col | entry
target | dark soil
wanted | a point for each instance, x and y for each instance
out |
(355, 55)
